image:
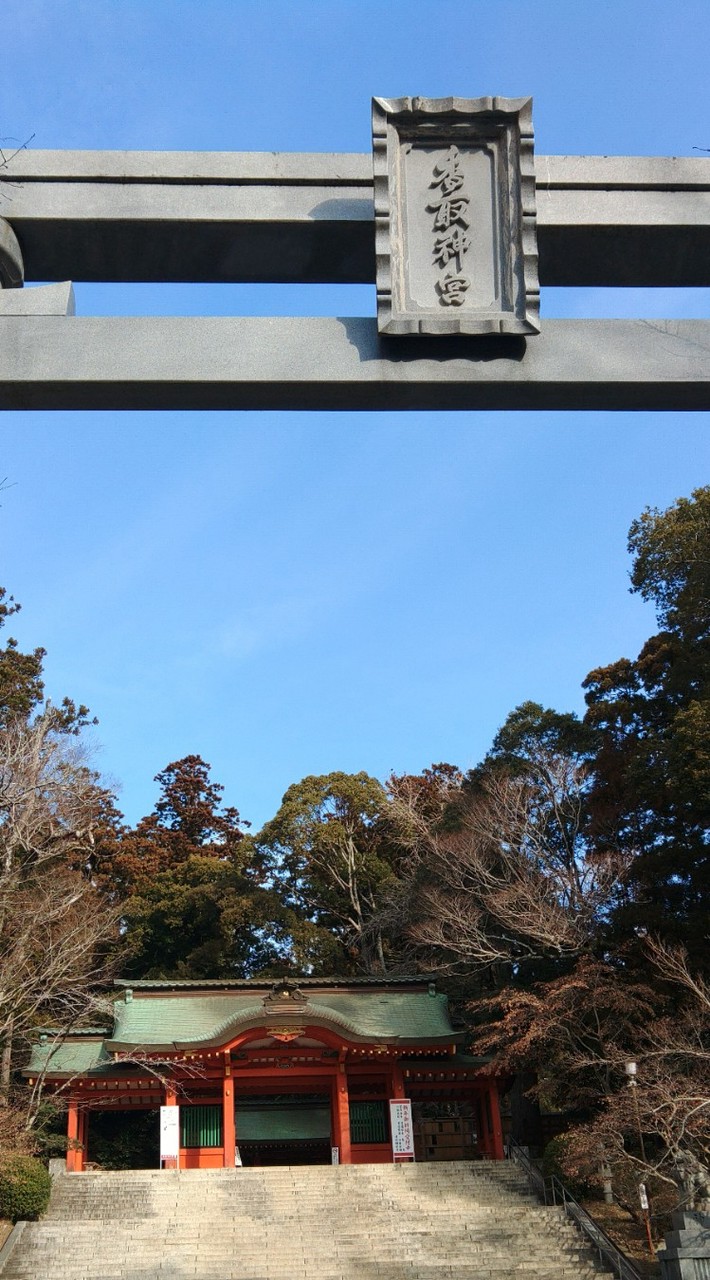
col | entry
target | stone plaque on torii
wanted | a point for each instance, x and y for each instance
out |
(455, 234)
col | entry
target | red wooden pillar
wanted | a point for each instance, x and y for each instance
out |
(170, 1101)
(482, 1102)
(229, 1132)
(83, 1139)
(496, 1136)
(398, 1090)
(73, 1164)
(341, 1115)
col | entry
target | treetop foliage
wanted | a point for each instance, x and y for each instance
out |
(651, 772)
(671, 566)
(189, 819)
(328, 853)
(22, 686)
(532, 732)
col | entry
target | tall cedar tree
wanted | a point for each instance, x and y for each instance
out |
(651, 715)
(189, 818)
(194, 903)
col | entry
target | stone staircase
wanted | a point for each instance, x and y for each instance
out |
(353, 1222)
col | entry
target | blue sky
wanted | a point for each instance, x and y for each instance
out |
(296, 593)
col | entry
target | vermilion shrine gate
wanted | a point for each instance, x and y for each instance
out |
(279, 1074)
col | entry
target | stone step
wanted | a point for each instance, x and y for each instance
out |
(398, 1248)
(171, 1269)
(411, 1222)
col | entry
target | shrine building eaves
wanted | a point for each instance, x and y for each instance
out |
(267, 983)
(167, 1022)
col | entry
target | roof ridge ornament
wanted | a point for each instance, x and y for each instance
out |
(285, 996)
(287, 1005)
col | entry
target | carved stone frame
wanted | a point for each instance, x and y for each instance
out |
(501, 123)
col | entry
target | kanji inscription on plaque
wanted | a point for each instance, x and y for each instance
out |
(455, 216)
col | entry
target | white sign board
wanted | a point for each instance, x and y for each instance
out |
(401, 1128)
(169, 1133)
(643, 1197)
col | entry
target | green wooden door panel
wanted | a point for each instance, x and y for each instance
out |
(201, 1126)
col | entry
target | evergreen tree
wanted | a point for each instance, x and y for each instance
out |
(195, 903)
(651, 788)
(189, 819)
(328, 852)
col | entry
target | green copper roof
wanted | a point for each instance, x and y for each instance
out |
(184, 1020)
(166, 1017)
(266, 984)
(72, 1057)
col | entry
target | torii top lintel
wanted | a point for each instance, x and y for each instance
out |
(449, 224)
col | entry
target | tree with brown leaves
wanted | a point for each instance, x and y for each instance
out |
(512, 881)
(653, 1124)
(189, 819)
(54, 926)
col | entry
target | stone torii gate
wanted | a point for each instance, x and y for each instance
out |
(449, 224)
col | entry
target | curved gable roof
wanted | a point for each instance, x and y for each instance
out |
(187, 1021)
(169, 1017)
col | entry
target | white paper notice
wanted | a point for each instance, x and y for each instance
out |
(169, 1133)
(401, 1127)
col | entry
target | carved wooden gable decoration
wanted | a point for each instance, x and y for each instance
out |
(286, 1008)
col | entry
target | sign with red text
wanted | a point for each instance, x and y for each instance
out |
(402, 1128)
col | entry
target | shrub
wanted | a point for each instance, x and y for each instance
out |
(25, 1185)
(555, 1160)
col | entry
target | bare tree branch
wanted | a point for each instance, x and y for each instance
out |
(54, 925)
(514, 881)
